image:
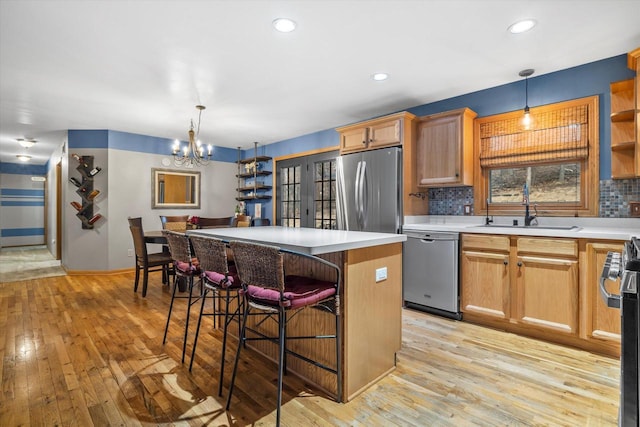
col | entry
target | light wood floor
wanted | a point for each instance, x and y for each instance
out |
(86, 350)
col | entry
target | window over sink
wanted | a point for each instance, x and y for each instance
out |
(557, 157)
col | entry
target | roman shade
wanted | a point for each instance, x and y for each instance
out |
(557, 134)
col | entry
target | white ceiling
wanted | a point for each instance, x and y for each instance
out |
(142, 66)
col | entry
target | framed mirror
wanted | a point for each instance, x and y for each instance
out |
(171, 189)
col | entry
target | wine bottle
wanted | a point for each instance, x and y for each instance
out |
(77, 205)
(80, 160)
(75, 182)
(93, 194)
(94, 171)
(94, 218)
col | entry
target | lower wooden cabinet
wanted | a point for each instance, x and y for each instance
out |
(541, 287)
(485, 276)
(600, 322)
(546, 278)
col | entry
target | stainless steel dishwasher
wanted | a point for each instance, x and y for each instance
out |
(430, 272)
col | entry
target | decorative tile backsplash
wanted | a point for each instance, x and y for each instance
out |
(615, 196)
(450, 200)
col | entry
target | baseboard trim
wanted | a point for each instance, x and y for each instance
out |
(99, 272)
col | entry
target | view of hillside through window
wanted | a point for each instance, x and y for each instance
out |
(557, 183)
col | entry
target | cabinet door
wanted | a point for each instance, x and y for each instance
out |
(438, 156)
(547, 293)
(353, 140)
(601, 322)
(385, 134)
(485, 284)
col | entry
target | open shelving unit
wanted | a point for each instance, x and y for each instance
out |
(625, 124)
(251, 185)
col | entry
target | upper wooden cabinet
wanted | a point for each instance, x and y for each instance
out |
(393, 130)
(625, 123)
(384, 131)
(444, 149)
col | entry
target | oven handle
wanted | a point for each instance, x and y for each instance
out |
(609, 272)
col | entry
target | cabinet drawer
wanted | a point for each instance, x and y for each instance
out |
(548, 247)
(484, 241)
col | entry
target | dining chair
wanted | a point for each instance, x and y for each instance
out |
(218, 276)
(174, 223)
(259, 222)
(145, 261)
(269, 291)
(215, 222)
(241, 221)
(187, 269)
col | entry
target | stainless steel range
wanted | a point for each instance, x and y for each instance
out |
(627, 267)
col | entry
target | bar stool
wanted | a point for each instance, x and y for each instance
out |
(218, 275)
(268, 290)
(186, 268)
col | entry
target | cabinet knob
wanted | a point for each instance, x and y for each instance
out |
(364, 142)
(519, 263)
(370, 139)
(457, 175)
(505, 262)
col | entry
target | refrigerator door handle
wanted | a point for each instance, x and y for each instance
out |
(358, 184)
(364, 200)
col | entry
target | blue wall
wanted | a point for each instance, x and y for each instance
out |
(577, 82)
(134, 142)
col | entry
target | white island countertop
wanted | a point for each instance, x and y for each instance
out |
(306, 240)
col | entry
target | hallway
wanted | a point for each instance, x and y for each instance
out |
(28, 262)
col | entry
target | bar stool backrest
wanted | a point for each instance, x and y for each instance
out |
(259, 265)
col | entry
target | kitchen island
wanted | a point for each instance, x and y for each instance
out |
(371, 298)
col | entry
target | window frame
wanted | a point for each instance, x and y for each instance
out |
(590, 166)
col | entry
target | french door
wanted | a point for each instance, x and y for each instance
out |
(306, 191)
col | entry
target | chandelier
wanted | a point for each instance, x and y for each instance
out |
(193, 152)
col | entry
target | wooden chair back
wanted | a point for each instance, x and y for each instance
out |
(215, 222)
(241, 221)
(174, 223)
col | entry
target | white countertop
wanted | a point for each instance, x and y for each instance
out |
(307, 240)
(587, 228)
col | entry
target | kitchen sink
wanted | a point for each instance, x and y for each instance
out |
(534, 227)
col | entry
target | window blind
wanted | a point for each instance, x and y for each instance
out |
(555, 135)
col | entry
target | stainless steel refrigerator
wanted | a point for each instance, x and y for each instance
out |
(369, 191)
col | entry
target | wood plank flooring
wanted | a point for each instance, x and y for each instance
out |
(86, 350)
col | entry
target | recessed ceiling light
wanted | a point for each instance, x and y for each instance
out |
(23, 157)
(284, 25)
(522, 26)
(26, 143)
(380, 76)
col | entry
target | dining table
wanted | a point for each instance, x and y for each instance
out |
(155, 236)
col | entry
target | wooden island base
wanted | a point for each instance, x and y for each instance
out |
(371, 323)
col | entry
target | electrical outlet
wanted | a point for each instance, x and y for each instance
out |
(381, 274)
(129, 252)
(634, 209)
(467, 209)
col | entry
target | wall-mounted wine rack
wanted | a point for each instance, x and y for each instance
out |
(86, 191)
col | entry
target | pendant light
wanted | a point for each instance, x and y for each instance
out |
(526, 120)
